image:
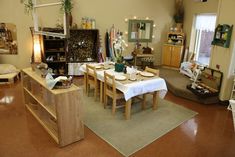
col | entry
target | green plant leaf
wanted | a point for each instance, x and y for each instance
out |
(66, 6)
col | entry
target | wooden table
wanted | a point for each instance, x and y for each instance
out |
(129, 88)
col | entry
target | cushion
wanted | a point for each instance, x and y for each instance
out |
(7, 68)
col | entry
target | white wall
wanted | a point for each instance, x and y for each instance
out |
(224, 56)
(106, 13)
(191, 9)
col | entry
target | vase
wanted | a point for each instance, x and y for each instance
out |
(119, 67)
(69, 19)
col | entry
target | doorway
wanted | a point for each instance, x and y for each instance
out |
(204, 31)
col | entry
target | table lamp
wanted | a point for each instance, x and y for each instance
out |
(36, 55)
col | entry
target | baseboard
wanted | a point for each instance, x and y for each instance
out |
(168, 67)
(224, 102)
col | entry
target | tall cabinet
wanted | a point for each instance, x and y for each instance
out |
(173, 49)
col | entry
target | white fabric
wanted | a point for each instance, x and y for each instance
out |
(135, 88)
(205, 22)
(73, 68)
(50, 81)
(7, 69)
(186, 69)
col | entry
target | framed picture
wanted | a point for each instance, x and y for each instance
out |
(8, 38)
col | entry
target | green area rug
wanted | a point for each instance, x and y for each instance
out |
(145, 126)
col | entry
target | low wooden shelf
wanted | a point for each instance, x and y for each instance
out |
(59, 111)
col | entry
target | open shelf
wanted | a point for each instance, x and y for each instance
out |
(50, 110)
(58, 110)
(52, 131)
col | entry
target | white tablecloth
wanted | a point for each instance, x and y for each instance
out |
(135, 88)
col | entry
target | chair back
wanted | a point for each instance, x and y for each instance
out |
(109, 83)
(151, 70)
(91, 73)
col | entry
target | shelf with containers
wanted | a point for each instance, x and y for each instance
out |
(175, 38)
(55, 52)
(222, 35)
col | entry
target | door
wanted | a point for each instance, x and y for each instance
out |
(203, 35)
(166, 55)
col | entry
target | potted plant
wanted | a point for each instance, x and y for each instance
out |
(66, 6)
(118, 46)
(179, 13)
(28, 6)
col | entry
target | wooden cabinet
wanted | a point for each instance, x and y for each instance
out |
(59, 111)
(172, 51)
(171, 55)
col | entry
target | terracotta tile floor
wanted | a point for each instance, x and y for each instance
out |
(208, 134)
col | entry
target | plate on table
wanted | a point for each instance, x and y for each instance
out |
(120, 77)
(146, 74)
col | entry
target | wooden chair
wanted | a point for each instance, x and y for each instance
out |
(156, 73)
(151, 70)
(111, 91)
(91, 80)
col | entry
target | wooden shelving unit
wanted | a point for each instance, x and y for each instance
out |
(172, 51)
(175, 38)
(55, 52)
(59, 111)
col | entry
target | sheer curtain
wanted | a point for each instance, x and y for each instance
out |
(205, 22)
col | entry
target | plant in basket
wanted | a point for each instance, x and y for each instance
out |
(118, 46)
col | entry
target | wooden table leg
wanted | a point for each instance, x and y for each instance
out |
(85, 82)
(128, 109)
(155, 94)
(101, 91)
(144, 102)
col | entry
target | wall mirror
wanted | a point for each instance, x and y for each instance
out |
(140, 30)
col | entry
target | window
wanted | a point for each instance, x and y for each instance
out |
(203, 34)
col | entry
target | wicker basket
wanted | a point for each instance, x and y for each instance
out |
(63, 84)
